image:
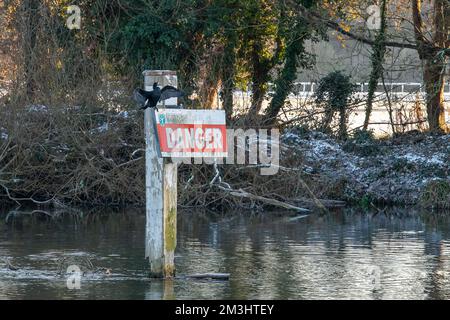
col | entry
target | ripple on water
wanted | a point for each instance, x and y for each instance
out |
(338, 256)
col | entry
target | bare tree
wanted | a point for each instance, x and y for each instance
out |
(431, 42)
(432, 53)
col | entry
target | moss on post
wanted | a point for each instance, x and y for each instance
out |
(170, 217)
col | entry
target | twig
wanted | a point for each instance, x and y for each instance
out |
(243, 194)
(17, 200)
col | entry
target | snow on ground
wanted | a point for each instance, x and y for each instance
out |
(415, 158)
(392, 171)
(37, 108)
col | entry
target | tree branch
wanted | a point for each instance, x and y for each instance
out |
(416, 7)
(318, 18)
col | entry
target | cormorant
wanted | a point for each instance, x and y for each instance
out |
(149, 99)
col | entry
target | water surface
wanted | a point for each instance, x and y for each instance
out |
(341, 255)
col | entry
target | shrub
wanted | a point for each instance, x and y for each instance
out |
(363, 143)
(335, 91)
(436, 194)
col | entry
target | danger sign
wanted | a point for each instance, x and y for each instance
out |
(191, 133)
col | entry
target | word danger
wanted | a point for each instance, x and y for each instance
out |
(197, 139)
(192, 133)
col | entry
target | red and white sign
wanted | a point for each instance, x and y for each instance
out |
(191, 133)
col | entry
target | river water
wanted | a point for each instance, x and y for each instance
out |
(342, 255)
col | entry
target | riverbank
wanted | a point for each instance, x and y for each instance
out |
(411, 169)
(89, 157)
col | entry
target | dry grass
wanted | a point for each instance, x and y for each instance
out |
(69, 156)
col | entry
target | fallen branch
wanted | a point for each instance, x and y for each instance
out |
(243, 194)
(213, 276)
(314, 200)
(17, 200)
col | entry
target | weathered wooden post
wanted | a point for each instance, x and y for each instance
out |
(178, 133)
(161, 188)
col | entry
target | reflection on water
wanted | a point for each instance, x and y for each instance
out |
(345, 255)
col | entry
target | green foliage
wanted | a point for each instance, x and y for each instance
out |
(377, 58)
(296, 57)
(261, 35)
(436, 194)
(213, 44)
(365, 202)
(363, 136)
(362, 143)
(334, 91)
(153, 35)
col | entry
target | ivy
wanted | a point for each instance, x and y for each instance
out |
(334, 92)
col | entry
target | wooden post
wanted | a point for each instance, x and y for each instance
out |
(170, 216)
(161, 189)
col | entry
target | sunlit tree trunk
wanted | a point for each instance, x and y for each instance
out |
(434, 79)
(210, 77)
(434, 62)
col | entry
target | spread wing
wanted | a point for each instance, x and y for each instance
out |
(138, 97)
(146, 94)
(170, 92)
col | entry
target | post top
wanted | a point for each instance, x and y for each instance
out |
(159, 73)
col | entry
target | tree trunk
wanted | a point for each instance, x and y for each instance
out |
(259, 90)
(433, 62)
(328, 118)
(209, 92)
(342, 123)
(433, 76)
(210, 76)
(377, 58)
(260, 76)
(228, 74)
(227, 97)
(285, 81)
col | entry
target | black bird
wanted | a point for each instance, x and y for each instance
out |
(149, 99)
